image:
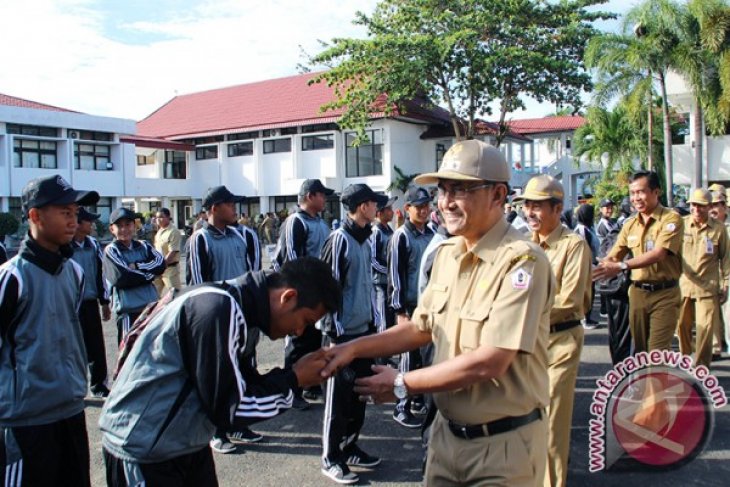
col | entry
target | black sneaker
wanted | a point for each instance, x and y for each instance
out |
(405, 418)
(299, 403)
(245, 435)
(101, 391)
(312, 393)
(340, 473)
(358, 458)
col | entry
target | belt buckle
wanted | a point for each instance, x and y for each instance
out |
(464, 432)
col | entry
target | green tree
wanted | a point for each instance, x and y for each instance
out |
(462, 54)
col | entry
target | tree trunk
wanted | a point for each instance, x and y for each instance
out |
(697, 122)
(650, 154)
(668, 166)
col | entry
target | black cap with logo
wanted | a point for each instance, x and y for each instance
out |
(417, 196)
(86, 216)
(314, 186)
(122, 214)
(54, 190)
(355, 194)
(220, 194)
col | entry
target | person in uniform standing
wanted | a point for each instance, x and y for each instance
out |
(718, 211)
(570, 260)
(704, 281)
(404, 261)
(487, 310)
(304, 233)
(218, 252)
(606, 226)
(654, 237)
(379, 241)
(89, 255)
(167, 243)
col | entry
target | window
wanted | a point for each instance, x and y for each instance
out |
(203, 140)
(269, 133)
(680, 129)
(103, 207)
(206, 152)
(250, 207)
(440, 152)
(284, 203)
(277, 145)
(92, 157)
(91, 135)
(15, 207)
(174, 167)
(14, 128)
(145, 160)
(288, 131)
(240, 149)
(319, 127)
(244, 135)
(34, 154)
(367, 158)
(316, 142)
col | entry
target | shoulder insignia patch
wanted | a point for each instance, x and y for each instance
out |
(525, 257)
(521, 279)
(671, 227)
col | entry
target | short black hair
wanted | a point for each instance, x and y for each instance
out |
(313, 281)
(651, 177)
(164, 211)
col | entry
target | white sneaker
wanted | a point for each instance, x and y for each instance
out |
(340, 474)
(222, 445)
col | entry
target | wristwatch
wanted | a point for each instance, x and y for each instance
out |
(399, 387)
(624, 266)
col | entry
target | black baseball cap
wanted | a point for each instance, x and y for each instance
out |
(355, 194)
(607, 202)
(86, 216)
(121, 214)
(314, 186)
(387, 204)
(417, 196)
(54, 190)
(220, 194)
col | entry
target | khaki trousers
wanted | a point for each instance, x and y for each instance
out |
(653, 318)
(704, 313)
(168, 280)
(564, 348)
(512, 459)
(726, 323)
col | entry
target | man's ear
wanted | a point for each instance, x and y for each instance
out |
(289, 296)
(34, 215)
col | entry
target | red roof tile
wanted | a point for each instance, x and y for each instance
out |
(276, 103)
(14, 101)
(547, 124)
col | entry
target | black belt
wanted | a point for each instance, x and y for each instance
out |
(655, 286)
(565, 325)
(471, 431)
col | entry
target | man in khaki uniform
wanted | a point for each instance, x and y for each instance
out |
(167, 243)
(487, 310)
(718, 211)
(705, 270)
(570, 260)
(654, 236)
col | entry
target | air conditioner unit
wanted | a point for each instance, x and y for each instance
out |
(73, 134)
(109, 166)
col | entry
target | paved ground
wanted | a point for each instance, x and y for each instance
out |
(289, 455)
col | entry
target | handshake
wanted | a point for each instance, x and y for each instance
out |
(318, 366)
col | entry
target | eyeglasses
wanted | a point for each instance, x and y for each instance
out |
(460, 192)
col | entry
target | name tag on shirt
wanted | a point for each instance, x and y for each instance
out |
(649, 245)
(709, 248)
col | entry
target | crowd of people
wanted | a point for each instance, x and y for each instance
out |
(470, 317)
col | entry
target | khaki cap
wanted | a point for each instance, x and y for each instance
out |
(541, 188)
(716, 187)
(700, 196)
(719, 197)
(470, 160)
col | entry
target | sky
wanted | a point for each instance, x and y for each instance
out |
(126, 58)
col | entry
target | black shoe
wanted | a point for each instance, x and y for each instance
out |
(245, 435)
(405, 418)
(358, 458)
(418, 408)
(340, 473)
(101, 391)
(311, 394)
(299, 404)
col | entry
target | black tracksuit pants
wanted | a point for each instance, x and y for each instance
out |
(192, 470)
(94, 341)
(344, 413)
(54, 454)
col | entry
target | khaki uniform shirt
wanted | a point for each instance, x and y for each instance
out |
(570, 260)
(663, 229)
(705, 259)
(167, 240)
(498, 294)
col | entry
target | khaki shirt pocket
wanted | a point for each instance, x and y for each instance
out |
(472, 318)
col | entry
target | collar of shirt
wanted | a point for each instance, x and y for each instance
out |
(215, 231)
(654, 216)
(80, 245)
(410, 226)
(486, 247)
(551, 239)
(700, 226)
(50, 262)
